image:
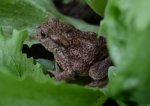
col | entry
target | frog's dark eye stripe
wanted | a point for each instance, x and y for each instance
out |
(43, 35)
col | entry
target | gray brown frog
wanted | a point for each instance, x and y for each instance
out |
(77, 52)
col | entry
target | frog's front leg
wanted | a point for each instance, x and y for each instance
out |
(98, 72)
(65, 75)
(63, 59)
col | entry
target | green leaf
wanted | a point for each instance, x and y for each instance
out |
(29, 14)
(127, 29)
(66, 1)
(22, 81)
(98, 6)
(10, 52)
(46, 63)
(69, 1)
(28, 92)
(12, 59)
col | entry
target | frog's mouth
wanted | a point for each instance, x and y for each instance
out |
(49, 44)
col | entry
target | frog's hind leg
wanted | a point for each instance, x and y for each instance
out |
(98, 72)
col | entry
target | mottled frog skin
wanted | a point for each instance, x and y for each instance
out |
(78, 53)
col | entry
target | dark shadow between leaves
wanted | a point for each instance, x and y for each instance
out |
(37, 51)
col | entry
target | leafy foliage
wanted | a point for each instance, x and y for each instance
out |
(28, 14)
(22, 81)
(98, 6)
(25, 92)
(127, 28)
(11, 57)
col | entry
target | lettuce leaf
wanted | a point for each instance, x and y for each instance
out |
(28, 92)
(127, 29)
(11, 57)
(28, 14)
(98, 6)
(22, 81)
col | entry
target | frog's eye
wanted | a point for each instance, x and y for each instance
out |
(43, 35)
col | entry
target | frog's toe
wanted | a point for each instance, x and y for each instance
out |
(98, 83)
(53, 72)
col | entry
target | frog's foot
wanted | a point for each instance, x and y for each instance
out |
(53, 72)
(99, 83)
(67, 76)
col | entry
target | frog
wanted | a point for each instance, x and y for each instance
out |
(78, 53)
